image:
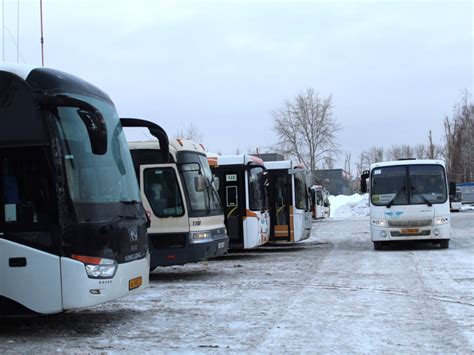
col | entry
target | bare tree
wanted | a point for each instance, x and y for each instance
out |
(347, 163)
(394, 153)
(191, 132)
(328, 162)
(306, 128)
(459, 138)
(407, 151)
(420, 151)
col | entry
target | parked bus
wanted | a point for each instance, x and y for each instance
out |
(242, 191)
(408, 201)
(187, 220)
(72, 227)
(320, 205)
(290, 212)
(467, 191)
(455, 201)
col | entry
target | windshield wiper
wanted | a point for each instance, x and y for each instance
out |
(208, 193)
(425, 200)
(390, 203)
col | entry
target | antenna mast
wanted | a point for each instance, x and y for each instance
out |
(3, 30)
(18, 32)
(42, 38)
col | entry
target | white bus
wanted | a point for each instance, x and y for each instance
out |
(177, 188)
(320, 205)
(290, 211)
(408, 201)
(242, 191)
(72, 227)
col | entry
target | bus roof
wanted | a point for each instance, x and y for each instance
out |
(47, 79)
(240, 159)
(407, 162)
(283, 164)
(176, 145)
(20, 70)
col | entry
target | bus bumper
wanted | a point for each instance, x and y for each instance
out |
(80, 291)
(188, 253)
(381, 234)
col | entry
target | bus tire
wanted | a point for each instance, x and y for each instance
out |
(444, 243)
(378, 245)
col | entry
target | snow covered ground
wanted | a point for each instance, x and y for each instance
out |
(332, 293)
(467, 208)
(349, 206)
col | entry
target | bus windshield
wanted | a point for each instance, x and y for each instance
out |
(201, 203)
(95, 178)
(408, 185)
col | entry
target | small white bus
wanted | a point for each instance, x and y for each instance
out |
(408, 201)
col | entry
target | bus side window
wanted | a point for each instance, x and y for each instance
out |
(231, 196)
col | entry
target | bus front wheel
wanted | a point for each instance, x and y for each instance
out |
(378, 245)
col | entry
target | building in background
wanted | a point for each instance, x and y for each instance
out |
(336, 181)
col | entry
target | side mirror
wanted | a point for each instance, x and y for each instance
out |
(148, 219)
(200, 183)
(96, 129)
(452, 188)
(363, 181)
(90, 116)
(155, 130)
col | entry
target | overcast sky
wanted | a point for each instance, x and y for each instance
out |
(394, 68)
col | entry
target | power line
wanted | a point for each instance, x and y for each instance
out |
(14, 42)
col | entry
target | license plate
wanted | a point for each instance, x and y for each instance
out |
(134, 283)
(221, 245)
(410, 231)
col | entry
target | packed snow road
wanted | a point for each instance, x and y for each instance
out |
(332, 293)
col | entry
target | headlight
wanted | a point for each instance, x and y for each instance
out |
(441, 220)
(98, 268)
(201, 235)
(379, 222)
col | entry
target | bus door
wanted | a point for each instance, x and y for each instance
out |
(300, 215)
(280, 206)
(233, 198)
(163, 198)
(30, 274)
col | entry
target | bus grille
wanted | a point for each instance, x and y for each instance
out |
(400, 234)
(162, 241)
(410, 223)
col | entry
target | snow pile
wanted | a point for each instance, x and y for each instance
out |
(349, 206)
